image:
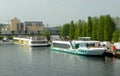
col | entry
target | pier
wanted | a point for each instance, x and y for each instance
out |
(112, 54)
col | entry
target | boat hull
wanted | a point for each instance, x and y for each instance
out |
(81, 52)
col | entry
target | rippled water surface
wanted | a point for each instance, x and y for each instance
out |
(17, 60)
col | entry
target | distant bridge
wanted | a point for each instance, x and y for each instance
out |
(9, 33)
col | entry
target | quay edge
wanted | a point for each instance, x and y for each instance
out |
(112, 54)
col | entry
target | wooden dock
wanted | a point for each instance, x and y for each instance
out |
(113, 53)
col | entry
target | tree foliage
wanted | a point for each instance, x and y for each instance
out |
(100, 32)
(95, 22)
(99, 28)
(89, 26)
(71, 30)
(79, 29)
(116, 36)
(65, 30)
(46, 33)
(109, 28)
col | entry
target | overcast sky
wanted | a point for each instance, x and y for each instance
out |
(57, 12)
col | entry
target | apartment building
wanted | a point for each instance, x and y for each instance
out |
(33, 25)
(15, 24)
(28, 26)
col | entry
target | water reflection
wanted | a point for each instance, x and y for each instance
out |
(70, 57)
(87, 66)
(28, 51)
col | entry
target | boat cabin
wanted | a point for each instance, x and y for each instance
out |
(78, 44)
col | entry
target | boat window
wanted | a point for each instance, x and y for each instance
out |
(76, 46)
(91, 44)
(59, 45)
(15, 39)
(83, 45)
(38, 42)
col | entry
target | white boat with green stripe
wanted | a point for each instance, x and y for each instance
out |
(79, 47)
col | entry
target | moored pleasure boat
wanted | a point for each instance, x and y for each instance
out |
(117, 46)
(79, 47)
(31, 41)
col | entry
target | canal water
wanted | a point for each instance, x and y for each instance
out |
(18, 60)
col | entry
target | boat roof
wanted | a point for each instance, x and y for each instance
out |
(84, 38)
(60, 41)
(76, 41)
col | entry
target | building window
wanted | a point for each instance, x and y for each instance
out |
(37, 24)
(61, 45)
(18, 27)
(29, 24)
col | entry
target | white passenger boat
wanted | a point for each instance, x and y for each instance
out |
(31, 41)
(5, 39)
(79, 47)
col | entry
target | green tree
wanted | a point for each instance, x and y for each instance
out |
(89, 27)
(95, 22)
(46, 33)
(79, 29)
(100, 30)
(84, 29)
(71, 30)
(76, 32)
(109, 28)
(64, 32)
(116, 36)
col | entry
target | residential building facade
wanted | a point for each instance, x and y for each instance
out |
(27, 26)
(15, 24)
